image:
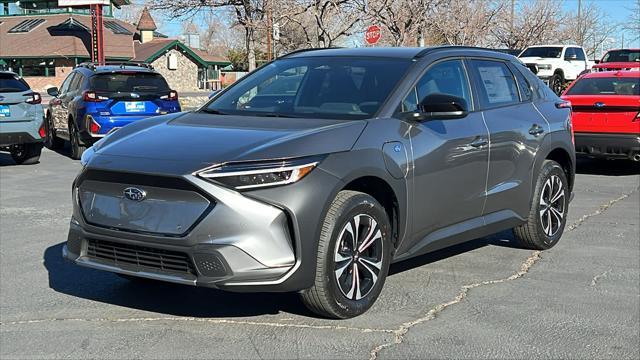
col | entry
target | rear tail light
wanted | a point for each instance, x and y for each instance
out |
(173, 95)
(42, 132)
(563, 104)
(91, 96)
(34, 99)
(92, 125)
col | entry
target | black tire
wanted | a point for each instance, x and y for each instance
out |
(544, 228)
(77, 147)
(556, 83)
(26, 154)
(51, 140)
(328, 296)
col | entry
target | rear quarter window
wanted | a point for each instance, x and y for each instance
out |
(12, 83)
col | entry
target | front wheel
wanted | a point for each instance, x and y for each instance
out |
(354, 253)
(51, 140)
(556, 83)
(26, 154)
(548, 214)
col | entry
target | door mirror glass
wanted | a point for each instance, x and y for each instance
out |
(53, 91)
(443, 106)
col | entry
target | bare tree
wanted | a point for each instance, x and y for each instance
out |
(404, 20)
(248, 15)
(534, 22)
(633, 21)
(464, 22)
(590, 30)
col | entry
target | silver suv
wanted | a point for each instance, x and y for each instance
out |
(316, 172)
(21, 119)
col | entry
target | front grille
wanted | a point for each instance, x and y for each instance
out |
(139, 257)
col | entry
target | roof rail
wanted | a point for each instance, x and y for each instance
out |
(92, 65)
(305, 50)
(434, 48)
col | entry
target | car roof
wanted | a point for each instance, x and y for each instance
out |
(554, 45)
(612, 74)
(623, 49)
(8, 72)
(392, 52)
(103, 69)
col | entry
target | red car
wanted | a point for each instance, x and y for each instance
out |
(619, 60)
(606, 114)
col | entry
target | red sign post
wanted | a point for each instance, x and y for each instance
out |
(372, 35)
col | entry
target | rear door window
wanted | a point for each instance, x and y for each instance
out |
(496, 84)
(12, 83)
(123, 82)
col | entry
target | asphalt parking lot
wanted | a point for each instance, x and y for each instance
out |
(483, 299)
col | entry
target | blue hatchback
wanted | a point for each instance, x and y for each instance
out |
(94, 101)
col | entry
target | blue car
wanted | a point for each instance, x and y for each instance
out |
(94, 101)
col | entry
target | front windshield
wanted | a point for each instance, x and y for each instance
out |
(543, 52)
(314, 87)
(622, 56)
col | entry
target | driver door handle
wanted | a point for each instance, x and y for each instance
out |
(536, 130)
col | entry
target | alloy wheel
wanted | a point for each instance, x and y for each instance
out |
(552, 205)
(358, 257)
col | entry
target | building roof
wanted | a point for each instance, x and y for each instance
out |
(150, 51)
(57, 37)
(146, 21)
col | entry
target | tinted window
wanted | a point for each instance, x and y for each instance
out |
(569, 53)
(580, 54)
(622, 56)
(543, 52)
(524, 87)
(497, 86)
(447, 77)
(65, 84)
(76, 82)
(128, 82)
(606, 86)
(325, 87)
(12, 83)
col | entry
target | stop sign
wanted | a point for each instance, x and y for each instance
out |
(372, 36)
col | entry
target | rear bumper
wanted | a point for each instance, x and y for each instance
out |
(607, 145)
(7, 139)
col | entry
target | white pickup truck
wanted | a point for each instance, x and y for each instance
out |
(556, 65)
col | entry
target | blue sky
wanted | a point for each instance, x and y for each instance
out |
(616, 10)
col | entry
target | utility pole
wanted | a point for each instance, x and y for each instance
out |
(269, 30)
(580, 39)
(513, 13)
(622, 45)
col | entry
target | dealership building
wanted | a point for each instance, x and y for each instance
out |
(43, 42)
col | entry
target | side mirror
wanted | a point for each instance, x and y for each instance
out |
(443, 106)
(571, 57)
(53, 91)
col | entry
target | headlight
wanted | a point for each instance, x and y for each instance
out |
(544, 66)
(260, 174)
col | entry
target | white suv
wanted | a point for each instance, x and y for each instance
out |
(556, 64)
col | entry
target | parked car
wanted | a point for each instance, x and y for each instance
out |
(21, 119)
(556, 65)
(606, 114)
(373, 156)
(619, 60)
(94, 101)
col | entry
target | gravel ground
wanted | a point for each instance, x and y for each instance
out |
(482, 299)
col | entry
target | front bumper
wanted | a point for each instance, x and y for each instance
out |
(607, 145)
(244, 242)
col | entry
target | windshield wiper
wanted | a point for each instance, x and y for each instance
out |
(275, 115)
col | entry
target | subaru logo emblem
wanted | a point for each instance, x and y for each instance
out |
(134, 194)
(599, 105)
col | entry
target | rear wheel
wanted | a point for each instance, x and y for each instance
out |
(50, 140)
(26, 154)
(354, 253)
(77, 147)
(548, 214)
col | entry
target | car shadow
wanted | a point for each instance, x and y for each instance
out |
(6, 160)
(182, 300)
(592, 166)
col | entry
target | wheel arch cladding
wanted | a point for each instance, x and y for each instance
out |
(380, 190)
(562, 157)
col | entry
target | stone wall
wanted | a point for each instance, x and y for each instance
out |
(184, 78)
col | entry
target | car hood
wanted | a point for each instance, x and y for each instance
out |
(183, 143)
(537, 59)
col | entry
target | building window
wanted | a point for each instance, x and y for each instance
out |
(36, 67)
